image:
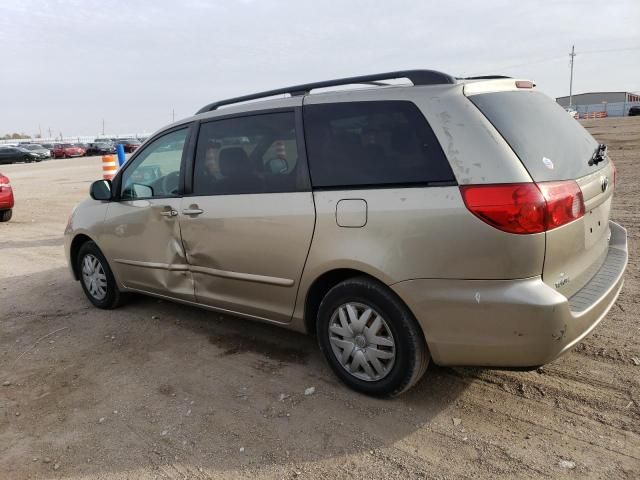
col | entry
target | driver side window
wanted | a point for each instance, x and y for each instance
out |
(155, 172)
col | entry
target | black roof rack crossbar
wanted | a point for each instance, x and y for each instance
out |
(417, 77)
(483, 77)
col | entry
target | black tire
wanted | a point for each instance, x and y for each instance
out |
(5, 215)
(113, 297)
(411, 352)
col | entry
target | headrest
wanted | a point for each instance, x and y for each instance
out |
(234, 161)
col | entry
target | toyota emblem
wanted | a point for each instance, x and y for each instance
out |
(604, 183)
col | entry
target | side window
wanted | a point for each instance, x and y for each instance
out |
(155, 172)
(252, 154)
(372, 143)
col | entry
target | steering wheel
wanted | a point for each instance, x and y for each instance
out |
(170, 183)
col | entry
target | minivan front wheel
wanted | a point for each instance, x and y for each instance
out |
(96, 278)
(370, 338)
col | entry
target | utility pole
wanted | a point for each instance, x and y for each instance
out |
(103, 127)
(571, 55)
(173, 115)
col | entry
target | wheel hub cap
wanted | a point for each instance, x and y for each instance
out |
(94, 278)
(362, 342)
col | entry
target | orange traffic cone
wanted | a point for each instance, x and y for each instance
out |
(109, 167)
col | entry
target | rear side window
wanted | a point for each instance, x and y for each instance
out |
(358, 144)
(250, 154)
(551, 144)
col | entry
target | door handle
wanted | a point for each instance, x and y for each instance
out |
(192, 211)
(170, 212)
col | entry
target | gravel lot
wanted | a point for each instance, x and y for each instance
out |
(159, 390)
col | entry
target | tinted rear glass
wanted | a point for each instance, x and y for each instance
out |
(551, 144)
(358, 144)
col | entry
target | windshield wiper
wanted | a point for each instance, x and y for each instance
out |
(599, 155)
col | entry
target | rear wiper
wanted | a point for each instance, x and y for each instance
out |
(599, 155)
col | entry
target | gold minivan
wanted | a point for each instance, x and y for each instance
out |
(459, 221)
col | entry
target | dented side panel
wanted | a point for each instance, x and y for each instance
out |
(247, 252)
(144, 247)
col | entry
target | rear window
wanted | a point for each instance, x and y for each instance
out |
(358, 144)
(551, 144)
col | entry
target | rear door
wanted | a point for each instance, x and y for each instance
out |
(248, 223)
(554, 147)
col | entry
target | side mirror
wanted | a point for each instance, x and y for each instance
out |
(101, 190)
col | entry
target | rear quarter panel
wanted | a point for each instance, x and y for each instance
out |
(415, 233)
(427, 232)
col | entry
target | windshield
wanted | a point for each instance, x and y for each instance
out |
(551, 144)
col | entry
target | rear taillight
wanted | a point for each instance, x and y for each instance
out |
(564, 202)
(524, 208)
(4, 181)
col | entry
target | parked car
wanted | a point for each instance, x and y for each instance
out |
(42, 152)
(66, 150)
(83, 146)
(401, 225)
(101, 148)
(17, 154)
(130, 144)
(634, 111)
(6, 199)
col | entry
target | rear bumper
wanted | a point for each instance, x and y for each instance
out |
(512, 323)
(6, 200)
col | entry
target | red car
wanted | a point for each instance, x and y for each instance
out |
(65, 150)
(130, 144)
(6, 199)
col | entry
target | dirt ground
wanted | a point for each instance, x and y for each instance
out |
(159, 390)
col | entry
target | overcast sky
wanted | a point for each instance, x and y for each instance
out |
(66, 65)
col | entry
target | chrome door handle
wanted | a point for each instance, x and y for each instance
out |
(169, 213)
(192, 211)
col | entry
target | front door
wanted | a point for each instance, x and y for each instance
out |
(248, 225)
(141, 234)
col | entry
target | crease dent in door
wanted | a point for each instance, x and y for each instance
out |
(147, 249)
(175, 253)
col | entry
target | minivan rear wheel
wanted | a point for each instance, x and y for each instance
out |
(370, 338)
(96, 278)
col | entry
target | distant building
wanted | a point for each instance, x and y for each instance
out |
(615, 104)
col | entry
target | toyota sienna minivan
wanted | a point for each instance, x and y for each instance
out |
(459, 221)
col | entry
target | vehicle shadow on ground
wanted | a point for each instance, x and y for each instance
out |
(47, 242)
(179, 387)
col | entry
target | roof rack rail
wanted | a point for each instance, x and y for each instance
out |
(483, 77)
(417, 77)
